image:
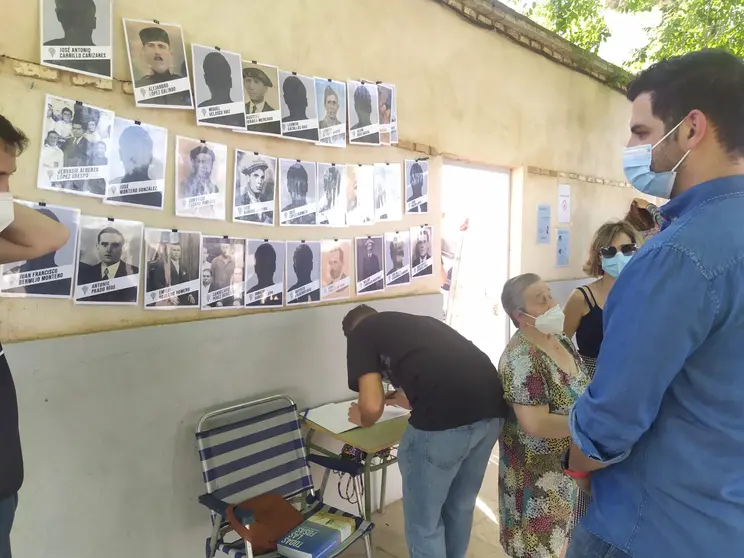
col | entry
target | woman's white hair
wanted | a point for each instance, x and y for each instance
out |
(512, 297)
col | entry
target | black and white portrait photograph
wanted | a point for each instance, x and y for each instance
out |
(76, 36)
(370, 275)
(109, 261)
(303, 272)
(222, 272)
(201, 178)
(137, 165)
(388, 192)
(75, 149)
(298, 194)
(331, 98)
(364, 114)
(264, 273)
(332, 192)
(336, 264)
(360, 196)
(417, 186)
(263, 114)
(393, 115)
(422, 262)
(51, 275)
(397, 258)
(255, 184)
(157, 64)
(299, 110)
(172, 269)
(218, 87)
(385, 104)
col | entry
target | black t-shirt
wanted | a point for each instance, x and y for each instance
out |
(448, 380)
(11, 462)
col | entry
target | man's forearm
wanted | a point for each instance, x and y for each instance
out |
(580, 463)
(30, 235)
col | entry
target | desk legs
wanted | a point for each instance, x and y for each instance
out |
(368, 487)
(383, 486)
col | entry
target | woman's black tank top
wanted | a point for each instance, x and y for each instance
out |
(590, 332)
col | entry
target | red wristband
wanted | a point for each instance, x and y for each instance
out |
(576, 474)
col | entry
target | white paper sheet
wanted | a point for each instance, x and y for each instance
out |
(334, 417)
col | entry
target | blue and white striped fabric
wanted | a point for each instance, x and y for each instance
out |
(258, 449)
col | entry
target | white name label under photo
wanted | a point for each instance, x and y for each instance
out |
(332, 131)
(36, 277)
(216, 111)
(299, 125)
(253, 209)
(397, 274)
(60, 53)
(303, 291)
(336, 286)
(422, 266)
(413, 204)
(173, 291)
(264, 293)
(364, 283)
(366, 131)
(262, 117)
(160, 89)
(131, 188)
(63, 174)
(296, 213)
(106, 286)
(199, 201)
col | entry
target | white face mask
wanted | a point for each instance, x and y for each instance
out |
(6, 210)
(551, 322)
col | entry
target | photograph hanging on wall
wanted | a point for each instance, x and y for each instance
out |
(393, 115)
(299, 108)
(298, 194)
(76, 147)
(255, 184)
(218, 87)
(360, 197)
(397, 258)
(172, 269)
(422, 262)
(137, 164)
(263, 113)
(370, 277)
(332, 190)
(417, 186)
(303, 272)
(385, 104)
(201, 178)
(109, 260)
(51, 275)
(157, 64)
(76, 36)
(264, 273)
(335, 270)
(364, 113)
(388, 192)
(222, 272)
(331, 99)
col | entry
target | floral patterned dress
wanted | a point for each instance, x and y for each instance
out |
(536, 499)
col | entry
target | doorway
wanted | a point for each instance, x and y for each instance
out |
(475, 253)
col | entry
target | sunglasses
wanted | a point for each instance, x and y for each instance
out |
(625, 249)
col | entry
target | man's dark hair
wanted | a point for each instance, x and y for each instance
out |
(297, 179)
(303, 261)
(356, 315)
(199, 150)
(109, 230)
(265, 260)
(12, 137)
(711, 81)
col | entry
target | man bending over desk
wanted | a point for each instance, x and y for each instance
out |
(457, 412)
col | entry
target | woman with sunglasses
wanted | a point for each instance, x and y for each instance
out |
(613, 245)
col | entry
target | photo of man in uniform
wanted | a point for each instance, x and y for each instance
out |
(256, 84)
(109, 248)
(78, 19)
(158, 57)
(398, 260)
(332, 105)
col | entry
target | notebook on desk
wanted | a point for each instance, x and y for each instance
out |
(334, 417)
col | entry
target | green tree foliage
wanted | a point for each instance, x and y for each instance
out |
(686, 25)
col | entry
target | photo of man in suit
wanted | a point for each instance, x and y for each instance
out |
(78, 19)
(264, 267)
(369, 252)
(157, 55)
(422, 251)
(167, 270)
(257, 86)
(397, 267)
(109, 249)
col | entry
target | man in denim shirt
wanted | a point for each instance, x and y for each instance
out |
(661, 427)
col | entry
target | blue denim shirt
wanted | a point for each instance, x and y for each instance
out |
(666, 407)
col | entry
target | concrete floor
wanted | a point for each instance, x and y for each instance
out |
(389, 539)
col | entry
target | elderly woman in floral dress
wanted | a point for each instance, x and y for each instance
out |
(542, 374)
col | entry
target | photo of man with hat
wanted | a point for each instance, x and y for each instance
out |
(151, 54)
(254, 184)
(261, 97)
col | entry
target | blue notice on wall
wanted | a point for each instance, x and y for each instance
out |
(564, 242)
(543, 224)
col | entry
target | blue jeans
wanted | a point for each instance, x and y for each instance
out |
(7, 513)
(442, 475)
(585, 544)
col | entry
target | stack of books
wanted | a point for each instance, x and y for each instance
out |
(316, 537)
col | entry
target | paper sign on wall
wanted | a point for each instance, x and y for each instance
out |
(564, 203)
(562, 247)
(543, 224)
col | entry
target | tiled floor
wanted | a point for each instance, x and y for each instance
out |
(389, 539)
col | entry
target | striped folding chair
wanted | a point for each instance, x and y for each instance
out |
(257, 448)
